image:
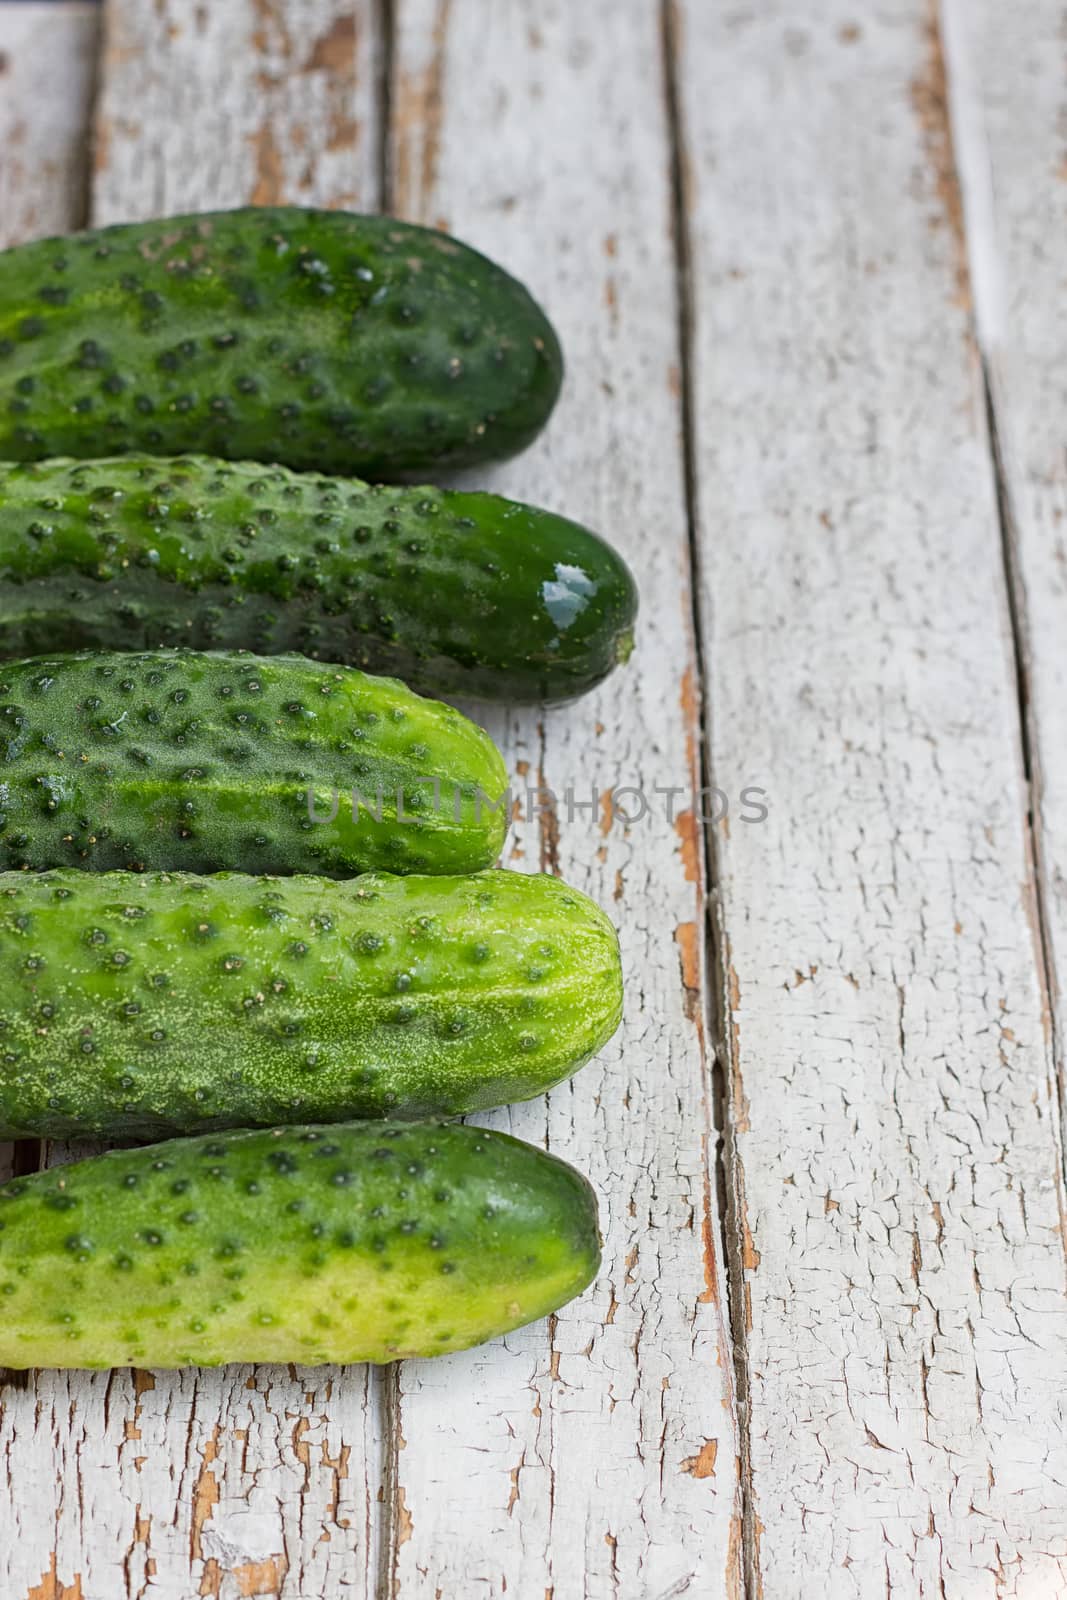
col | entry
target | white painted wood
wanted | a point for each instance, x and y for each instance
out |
(594, 1456)
(1012, 140)
(246, 1481)
(252, 101)
(897, 1216)
(47, 53)
(46, 75)
(239, 1482)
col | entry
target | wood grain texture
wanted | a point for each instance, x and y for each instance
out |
(253, 101)
(595, 1456)
(896, 1221)
(47, 56)
(244, 1481)
(1010, 115)
(231, 1483)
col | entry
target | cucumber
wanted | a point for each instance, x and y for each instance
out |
(347, 1243)
(317, 338)
(139, 1005)
(207, 762)
(457, 593)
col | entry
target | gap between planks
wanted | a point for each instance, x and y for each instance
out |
(716, 1001)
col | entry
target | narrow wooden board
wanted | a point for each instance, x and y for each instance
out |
(239, 1482)
(896, 1222)
(1011, 136)
(47, 56)
(260, 102)
(595, 1455)
(260, 1481)
(1011, 139)
(46, 76)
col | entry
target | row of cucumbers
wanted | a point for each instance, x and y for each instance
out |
(133, 359)
(246, 890)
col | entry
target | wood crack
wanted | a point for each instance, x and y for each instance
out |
(743, 1574)
(1036, 887)
(386, 22)
(392, 1527)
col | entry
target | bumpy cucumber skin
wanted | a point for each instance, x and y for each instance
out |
(347, 1243)
(205, 763)
(142, 1005)
(318, 338)
(456, 593)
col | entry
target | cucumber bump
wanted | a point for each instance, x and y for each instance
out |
(303, 1244)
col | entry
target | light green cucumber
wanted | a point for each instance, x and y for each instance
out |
(339, 1244)
(138, 1005)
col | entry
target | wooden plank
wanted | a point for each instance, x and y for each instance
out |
(1010, 134)
(245, 1481)
(595, 1455)
(240, 1482)
(896, 1223)
(46, 73)
(47, 53)
(256, 101)
(1008, 119)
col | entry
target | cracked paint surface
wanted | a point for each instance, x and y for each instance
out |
(894, 1167)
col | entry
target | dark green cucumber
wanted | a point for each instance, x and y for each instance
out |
(137, 1005)
(453, 592)
(349, 1243)
(211, 762)
(317, 338)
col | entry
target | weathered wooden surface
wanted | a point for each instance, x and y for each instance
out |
(47, 62)
(594, 1456)
(225, 1484)
(887, 951)
(895, 1170)
(1012, 144)
(252, 101)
